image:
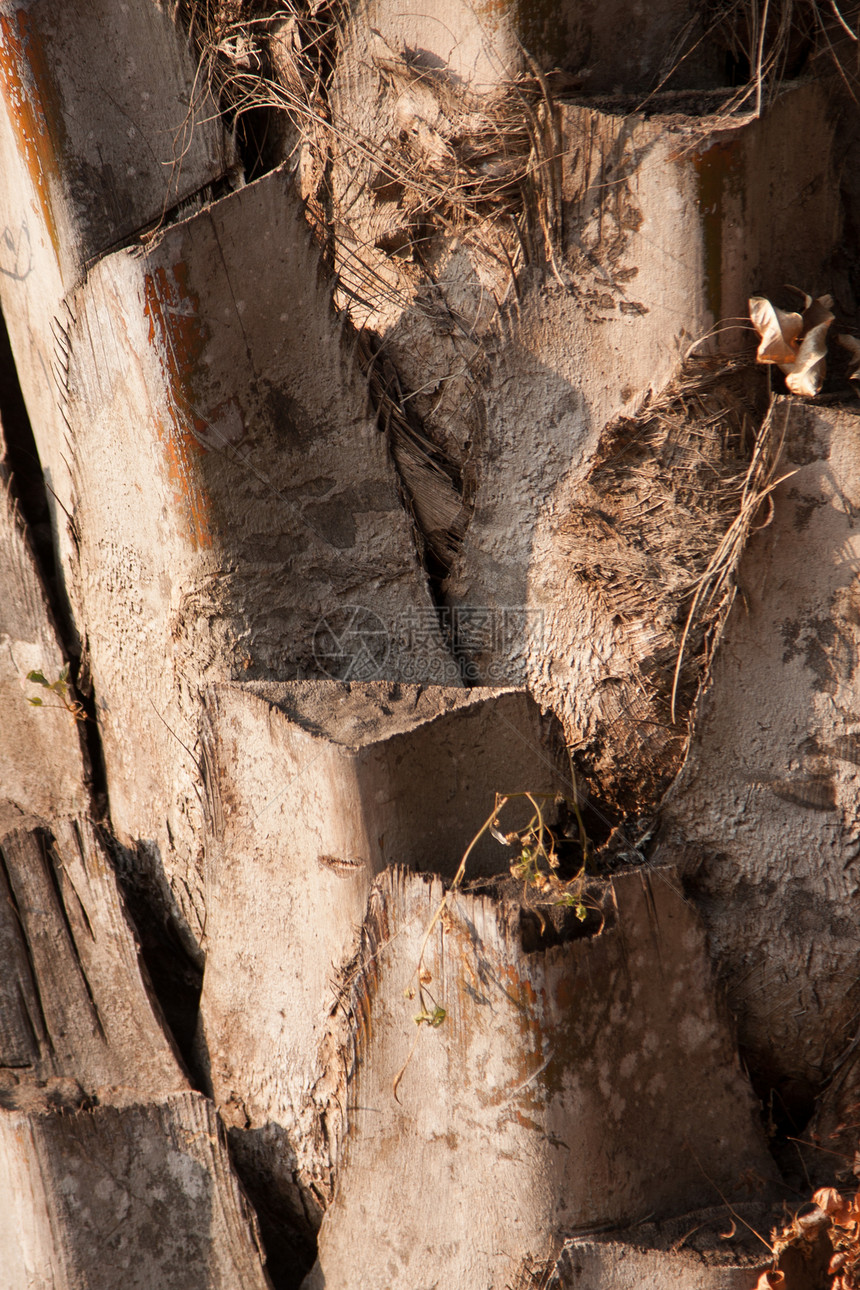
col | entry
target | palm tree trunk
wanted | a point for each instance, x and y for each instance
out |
(404, 455)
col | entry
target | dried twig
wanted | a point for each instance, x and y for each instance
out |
(716, 586)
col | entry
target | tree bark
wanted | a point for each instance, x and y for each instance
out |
(404, 453)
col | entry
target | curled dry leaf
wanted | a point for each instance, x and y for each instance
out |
(806, 375)
(838, 1216)
(852, 344)
(770, 1281)
(815, 311)
(831, 1201)
(809, 1224)
(779, 332)
(796, 343)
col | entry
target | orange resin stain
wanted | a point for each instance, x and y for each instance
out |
(527, 1062)
(179, 338)
(30, 99)
(521, 990)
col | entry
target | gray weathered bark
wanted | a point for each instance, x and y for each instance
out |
(382, 485)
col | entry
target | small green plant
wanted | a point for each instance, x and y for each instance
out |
(434, 1018)
(536, 864)
(60, 688)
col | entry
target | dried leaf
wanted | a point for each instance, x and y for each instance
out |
(830, 1200)
(852, 344)
(796, 343)
(779, 331)
(816, 311)
(808, 1225)
(770, 1281)
(805, 375)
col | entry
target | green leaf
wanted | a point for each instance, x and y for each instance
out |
(36, 702)
(64, 674)
(434, 1018)
(574, 902)
(38, 679)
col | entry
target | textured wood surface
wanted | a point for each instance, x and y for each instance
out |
(74, 1002)
(694, 1251)
(42, 767)
(234, 500)
(106, 120)
(660, 223)
(110, 1168)
(663, 238)
(571, 1086)
(140, 1195)
(614, 1264)
(225, 504)
(103, 129)
(313, 789)
(765, 820)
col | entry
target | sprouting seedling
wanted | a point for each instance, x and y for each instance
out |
(536, 865)
(434, 1018)
(60, 688)
(420, 977)
(537, 862)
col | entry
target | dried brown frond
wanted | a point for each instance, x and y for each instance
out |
(715, 589)
(533, 1274)
(768, 42)
(465, 171)
(651, 545)
(828, 1234)
(776, 39)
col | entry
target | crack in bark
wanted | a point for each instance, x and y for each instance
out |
(52, 865)
(31, 962)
